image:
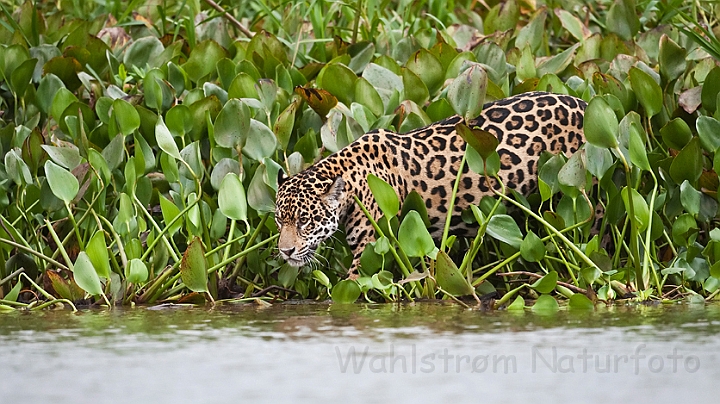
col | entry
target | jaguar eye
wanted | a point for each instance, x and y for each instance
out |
(302, 221)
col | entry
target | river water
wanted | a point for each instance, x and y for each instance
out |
(424, 352)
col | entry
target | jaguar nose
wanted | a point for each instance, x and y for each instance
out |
(287, 251)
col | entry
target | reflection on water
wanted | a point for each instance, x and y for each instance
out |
(359, 353)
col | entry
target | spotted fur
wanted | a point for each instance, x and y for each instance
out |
(312, 204)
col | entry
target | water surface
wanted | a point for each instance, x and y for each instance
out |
(360, 353)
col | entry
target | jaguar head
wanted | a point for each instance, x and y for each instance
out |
(307, 212)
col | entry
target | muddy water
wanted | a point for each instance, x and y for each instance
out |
(360, 353)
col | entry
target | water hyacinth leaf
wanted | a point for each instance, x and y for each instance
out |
(598, 160)
(449, 277)
(708, 129)
(385, 196)
(21, 76)
(193, 267)
(557, 63)
(143, 52)
(68, 157)
(284, 125)
(636, 140)
(676, 134)
(414, 237)
(546, 284)
(232, 124)
(426, 66)
(601, 124)
(49, 86)
(545, 304)
(579, 301)
(484, 142)
(532, 248)
(672, 59)
(575, 27)
(16, 168)
(466, 93)
(346, 291)
(63, 184)
(338, 79)
(165, 139)
(573, 173)
(169, 212)
(415, 202)
(259, 194)
(504, 228)
(622, 19)
(533, 33)
(415, 89)
(517, 305)
(287, 275)
(261, 141)
(136, 271)
(366, 95)
(639, 206)
(710, 89)
(647, 90)
(683, 228)
(322, 278)
(97, 252)
(85, 275)
(203, 59)
(231, 198)
(690, 198)
(62, 99)
(687, 165)
(125, 117)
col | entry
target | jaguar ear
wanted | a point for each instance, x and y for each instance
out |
(334, 191)
(281, 177)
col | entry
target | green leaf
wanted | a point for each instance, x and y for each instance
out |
(622, 19)
(261, 141)
(640, 207)
(414, 237)
(193, 267)
(169, 212)
(114, 152)
(638, 152)
(647, 90)
(573, 24)
(20, 77)
(143, 52)
(676, 134)
(321, 277)
(98, 253)
(484, 142)
(449, 277)
(48, 88)
(517, 304)
(545, 304)
(709, 132)
(85, 275)
(14, 292)
(546, 284)
(558, 63)
(259, 194)
(573, 172)
(125, 116)
(672, 59)
(203, 59)
(232, 124)
(287, 275)
(426, 66)
(63, 184)
(62, 99)
(136, 271)
(165, 140)
(687, 165)
(283, 126)
(532, 248)
(339, 80)
(504, 228)
(690, 198)
(601, 124)
(68, 157)
(710, 89)
(466, 93)
(579, 301)
(346, 291)
(368, 96)
(385, 196)
(231, 198)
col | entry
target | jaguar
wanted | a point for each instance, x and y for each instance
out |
(313, 204)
